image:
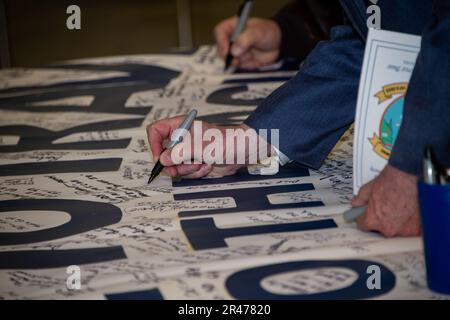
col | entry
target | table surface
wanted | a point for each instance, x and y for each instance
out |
(74, 161)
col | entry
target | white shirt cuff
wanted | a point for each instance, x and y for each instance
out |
(283, 159)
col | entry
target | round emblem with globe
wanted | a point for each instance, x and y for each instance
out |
(390, 122)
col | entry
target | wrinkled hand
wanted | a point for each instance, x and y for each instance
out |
(258, 45)
(392, 204)
(176, 162)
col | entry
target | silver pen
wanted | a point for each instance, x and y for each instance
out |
(243, 15)
(353, 213)
(430, 173)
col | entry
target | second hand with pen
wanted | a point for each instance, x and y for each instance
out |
(243, 14)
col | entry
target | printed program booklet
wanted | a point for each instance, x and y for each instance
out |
(389, 60)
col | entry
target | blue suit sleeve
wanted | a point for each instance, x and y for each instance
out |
(426, 115)
(314, 108)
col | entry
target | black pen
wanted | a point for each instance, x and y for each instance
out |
(176, 137)
(243, 14)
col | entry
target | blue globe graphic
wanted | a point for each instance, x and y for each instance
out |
(390, 124)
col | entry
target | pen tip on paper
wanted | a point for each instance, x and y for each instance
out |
(227, 69)
(230, 70)
(228, 61)
(152, 177)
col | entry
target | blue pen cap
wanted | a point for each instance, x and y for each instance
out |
(434, 203)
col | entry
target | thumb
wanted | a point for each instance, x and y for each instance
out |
(189, 149)
(166, 158)
(363, 195)
(181, 153)
(185, 152)
(243, 43)
(359, 201)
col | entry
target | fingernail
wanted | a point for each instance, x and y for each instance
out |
(164, 158)
(236, 51)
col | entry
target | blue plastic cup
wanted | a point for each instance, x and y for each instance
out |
(434, 201)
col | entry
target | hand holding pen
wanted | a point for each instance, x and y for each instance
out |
(176, 162)
(258, 44)
(175, 138)
(244, 13)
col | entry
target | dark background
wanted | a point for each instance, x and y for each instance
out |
(36, 30)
